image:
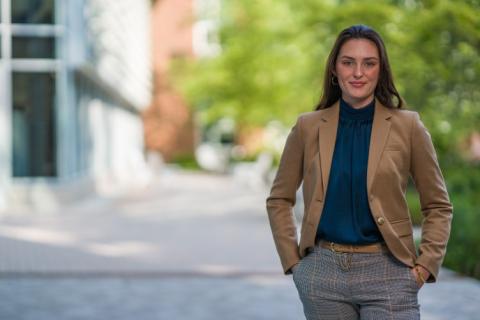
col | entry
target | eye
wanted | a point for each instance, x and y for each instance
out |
(347, 62)
(370, 64)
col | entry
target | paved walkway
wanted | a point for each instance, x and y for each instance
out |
(183, 223)
(191, 246)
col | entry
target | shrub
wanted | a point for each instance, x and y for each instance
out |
(463, 250)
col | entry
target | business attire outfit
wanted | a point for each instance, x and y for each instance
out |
(355, 165)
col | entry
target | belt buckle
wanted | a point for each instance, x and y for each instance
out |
(332, 247)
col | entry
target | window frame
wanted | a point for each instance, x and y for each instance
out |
(10, 65)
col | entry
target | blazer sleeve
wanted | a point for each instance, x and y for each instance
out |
(281, 200)
(434, 200)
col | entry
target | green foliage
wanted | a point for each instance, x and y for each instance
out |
(187, 162)
(274, 52)
(263, 70)
(414, 205)
(463, 251)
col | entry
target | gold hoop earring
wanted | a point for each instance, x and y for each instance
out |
(334, 81)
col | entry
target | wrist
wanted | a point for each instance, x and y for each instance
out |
(419, 270)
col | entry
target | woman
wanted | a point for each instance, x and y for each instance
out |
(356, 258)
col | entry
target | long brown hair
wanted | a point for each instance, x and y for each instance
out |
(385, 89)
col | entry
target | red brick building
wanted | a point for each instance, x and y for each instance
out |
(168, 122)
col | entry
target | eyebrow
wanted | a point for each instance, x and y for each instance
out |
(352, 58)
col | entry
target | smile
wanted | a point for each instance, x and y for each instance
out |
(357, 84)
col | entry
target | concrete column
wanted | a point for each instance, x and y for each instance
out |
(5, 106)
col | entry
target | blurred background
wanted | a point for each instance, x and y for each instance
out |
(139, 140)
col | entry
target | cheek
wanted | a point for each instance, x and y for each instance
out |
(373, 75)
(342, 72)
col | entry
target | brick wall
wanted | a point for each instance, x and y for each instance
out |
(169, 126)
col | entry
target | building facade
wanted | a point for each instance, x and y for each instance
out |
(75, 76)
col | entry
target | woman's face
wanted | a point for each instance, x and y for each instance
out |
(357, 68)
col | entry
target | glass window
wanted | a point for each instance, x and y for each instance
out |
(33, 47)
(33, 11)
(34, 145)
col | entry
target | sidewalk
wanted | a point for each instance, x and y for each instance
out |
(191, 246)
(184, 223)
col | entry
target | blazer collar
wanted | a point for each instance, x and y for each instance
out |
(333, 112)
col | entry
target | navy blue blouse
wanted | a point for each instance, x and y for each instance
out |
(346, 216)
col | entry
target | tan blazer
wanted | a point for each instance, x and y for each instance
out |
(400, 146)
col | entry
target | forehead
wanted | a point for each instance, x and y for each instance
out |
(358, 48)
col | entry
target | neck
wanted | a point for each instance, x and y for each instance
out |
(358, 103)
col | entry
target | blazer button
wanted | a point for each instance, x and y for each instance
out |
(380, 220)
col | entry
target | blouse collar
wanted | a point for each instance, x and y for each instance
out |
(363, 113)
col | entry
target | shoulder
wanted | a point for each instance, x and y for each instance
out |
(308, 118)
(306, 123)
(405, 116)
(409, 120)
(403, 113)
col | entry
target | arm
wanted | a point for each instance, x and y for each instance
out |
(282, 199)
(434, 200)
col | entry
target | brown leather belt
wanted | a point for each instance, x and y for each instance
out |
(368, 248)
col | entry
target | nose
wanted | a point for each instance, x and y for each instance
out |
(358, 72)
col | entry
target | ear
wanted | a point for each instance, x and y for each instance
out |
(334, 72)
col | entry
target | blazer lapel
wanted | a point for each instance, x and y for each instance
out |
(327, 135)
(380, 130)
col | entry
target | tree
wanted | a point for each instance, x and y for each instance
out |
(273, 56)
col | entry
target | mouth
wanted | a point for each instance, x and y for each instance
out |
(357, 84)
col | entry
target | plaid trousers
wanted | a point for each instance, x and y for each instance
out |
(367, 286)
